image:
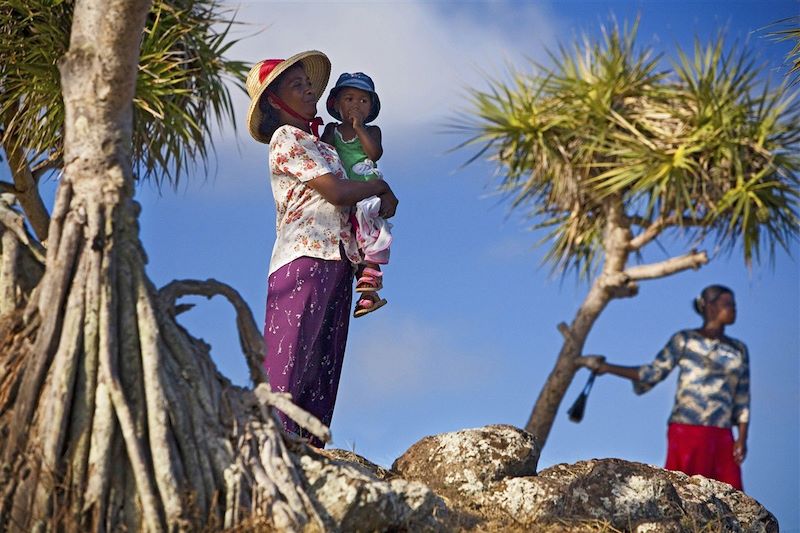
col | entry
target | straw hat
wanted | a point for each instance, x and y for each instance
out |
(317, 67)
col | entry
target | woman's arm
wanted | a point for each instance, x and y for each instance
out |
(598, 365)
(740, 446)
(346, 193)
(741, 408)
(627, 372)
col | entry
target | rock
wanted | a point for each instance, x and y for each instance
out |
(352, 499)
(627, 496)
(488, 478)
(485, 479)
(467, 462)
(353, 458)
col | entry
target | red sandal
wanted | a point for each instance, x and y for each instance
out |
(368, 304)
(371, 280)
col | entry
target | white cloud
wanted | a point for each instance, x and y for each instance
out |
(421, 55)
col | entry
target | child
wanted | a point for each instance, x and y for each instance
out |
(355, 103)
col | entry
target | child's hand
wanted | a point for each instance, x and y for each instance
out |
(356, 119)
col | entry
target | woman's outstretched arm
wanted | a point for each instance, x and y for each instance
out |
(598, 365)
(627, 372)
(643, 377)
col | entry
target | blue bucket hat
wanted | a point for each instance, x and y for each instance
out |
(358, 80)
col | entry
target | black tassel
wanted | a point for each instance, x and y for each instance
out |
(575, 412)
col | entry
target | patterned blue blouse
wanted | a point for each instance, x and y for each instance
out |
(714, 381)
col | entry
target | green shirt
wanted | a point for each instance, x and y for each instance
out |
(354, 159)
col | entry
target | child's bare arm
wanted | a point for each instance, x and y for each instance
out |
(370, 137)
(327, 133)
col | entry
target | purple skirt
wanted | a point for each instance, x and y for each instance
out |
(305, 330)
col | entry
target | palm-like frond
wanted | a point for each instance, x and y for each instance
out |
(34, 34)
(180, 91)
(706, 145)
(548, 133)
(790, 31)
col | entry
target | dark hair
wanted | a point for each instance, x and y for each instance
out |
(708, 296)
(270, 121)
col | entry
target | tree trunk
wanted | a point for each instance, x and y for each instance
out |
(612, 283)
(111, 416)
(544, 411)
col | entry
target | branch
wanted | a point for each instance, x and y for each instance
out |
(653, 229)
(48, 164)
(7, 188)
(13, 222)
(25, 187)
(283, 402)
(252, 345)
(619, 285)
(250, 339)
(566, 332)
(693, 260)
(644, 222)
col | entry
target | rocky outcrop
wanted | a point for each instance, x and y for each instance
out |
(352, 458)
(350, 497)
(485, 479)
(464, 464)
(626, 496)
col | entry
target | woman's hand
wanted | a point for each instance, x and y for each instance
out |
(388, 204)
(595, 363)
(739, 450)
(740, 446)
(598, 365)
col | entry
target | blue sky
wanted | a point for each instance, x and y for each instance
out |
(469, 334)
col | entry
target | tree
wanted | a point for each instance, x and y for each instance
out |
(607, 152)
(180, 91)
(111, 415)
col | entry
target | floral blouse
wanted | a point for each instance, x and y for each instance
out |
(306, 224)
(714, 380)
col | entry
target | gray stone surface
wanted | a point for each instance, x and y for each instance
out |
(350, 498)
(466, 462)
(485, 479)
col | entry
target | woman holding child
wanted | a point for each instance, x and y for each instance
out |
(311, 269)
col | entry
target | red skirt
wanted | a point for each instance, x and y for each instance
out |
(703, 450)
